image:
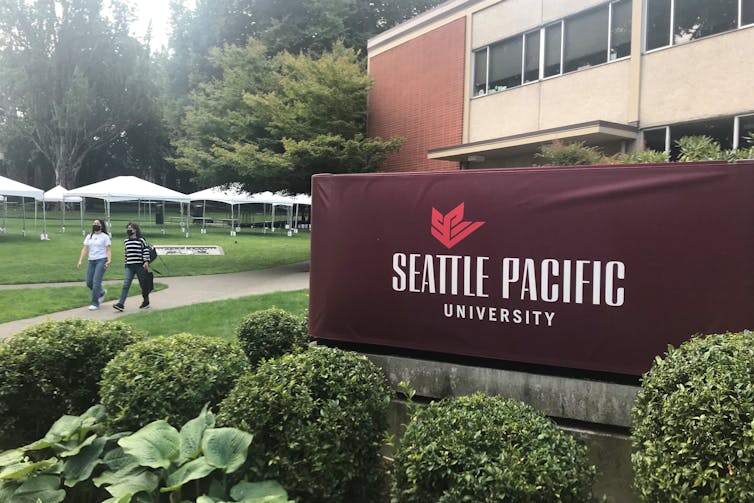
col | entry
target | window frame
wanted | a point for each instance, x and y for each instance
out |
(671, 30)
(542, 31)
(543, 38)
(741, 16)
(658, 128)
(737, 129)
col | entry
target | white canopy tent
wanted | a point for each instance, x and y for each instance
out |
(232, 195)
(130, 188)
(10, 187)
(274, 200)
(59, 194)
(235, 196)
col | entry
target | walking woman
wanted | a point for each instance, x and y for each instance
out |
(137, 264)
(97, 244)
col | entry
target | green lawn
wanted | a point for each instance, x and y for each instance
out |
(22, 303)
(31, 260)
(216, 319)
(27, 259)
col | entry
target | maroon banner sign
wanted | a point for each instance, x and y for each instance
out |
(596, 268)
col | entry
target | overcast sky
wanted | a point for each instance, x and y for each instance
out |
(158, 11)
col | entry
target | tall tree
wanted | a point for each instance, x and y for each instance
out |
(73, 80)
(271, 124)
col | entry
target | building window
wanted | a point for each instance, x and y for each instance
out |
(747, 12)
(585, 42)
(742, 131)
(658, 23)
(671, 22)
(591, 38)
(505, 64)
(695, 19)
(729, 132)
(720, 130)
(553, 49)
(480, 72)
(531, 56)
(657, 139)
(620, 30)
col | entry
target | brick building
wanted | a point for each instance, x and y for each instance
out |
(485, 83)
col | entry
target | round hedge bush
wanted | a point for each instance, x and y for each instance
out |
(270, 333)
(53, 369)
(319, 418)
(488, 449)
(693, 422)
(169, 378)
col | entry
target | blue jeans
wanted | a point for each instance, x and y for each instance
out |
(128, 277)
(94, 272)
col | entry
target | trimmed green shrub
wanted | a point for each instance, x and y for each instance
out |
(169, 378)
(270, 333)
(53, 369)
(700, 148)
(488, 449)
(693, 422)
(559, 153)
(318, 418)
(641, 157)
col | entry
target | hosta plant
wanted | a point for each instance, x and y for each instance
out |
(76, 462)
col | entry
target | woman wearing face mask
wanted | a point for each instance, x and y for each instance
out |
(137, 264)
(97, 244)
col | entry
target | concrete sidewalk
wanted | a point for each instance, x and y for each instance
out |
(181, 291)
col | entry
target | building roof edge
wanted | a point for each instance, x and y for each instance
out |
(418, 22)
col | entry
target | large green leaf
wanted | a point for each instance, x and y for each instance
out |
(72, 447)
(226, 448)
(245, 491)
(81, 466)
(63, 428)
(138, 481)
(19, 470)
(126, 498)
(11, 457)
(39, 489)
(38, 445)
(156, 445)
(192, 433)
(115, 459)
(93, 415)
(110, 477)
(7, 488)
(192, 470)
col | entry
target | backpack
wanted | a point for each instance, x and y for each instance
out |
(152, 251)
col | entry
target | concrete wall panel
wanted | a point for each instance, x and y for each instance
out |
(711, 77)
(599, 93)
(502, 114)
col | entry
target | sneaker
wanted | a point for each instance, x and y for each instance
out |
(144, 305)
(102, 294)
(93, 307)
(119, 307)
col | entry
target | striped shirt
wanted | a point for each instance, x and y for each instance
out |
(137, 251)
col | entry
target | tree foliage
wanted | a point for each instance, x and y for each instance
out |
(73, 80)
(272, 123)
